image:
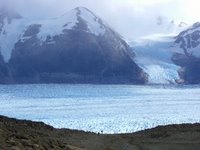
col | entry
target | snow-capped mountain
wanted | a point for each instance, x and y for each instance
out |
(75, 47)
(15, 28)
(189, 40)
(187, 54)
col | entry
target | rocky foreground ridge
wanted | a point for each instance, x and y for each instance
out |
(23, 135)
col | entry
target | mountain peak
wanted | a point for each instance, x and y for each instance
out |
(79, 11)
(78, 18)
(80, 8)
(75, 47)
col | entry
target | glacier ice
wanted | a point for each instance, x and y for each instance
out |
(111, 108)
(154, 54)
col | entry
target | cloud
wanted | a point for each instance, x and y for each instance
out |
(131, 18)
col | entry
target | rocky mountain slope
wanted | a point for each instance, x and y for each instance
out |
(77, 47)
(187, 54)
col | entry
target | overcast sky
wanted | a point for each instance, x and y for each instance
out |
(131, 18)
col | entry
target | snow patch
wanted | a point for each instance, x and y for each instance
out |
(24, 38)
(55, 26)
(69, 20)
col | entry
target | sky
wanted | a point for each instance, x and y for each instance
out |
(131, 18)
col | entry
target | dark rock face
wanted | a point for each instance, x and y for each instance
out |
(190, 71)
(74, 56)
(189, 59)
(4, 72)
(180, 59)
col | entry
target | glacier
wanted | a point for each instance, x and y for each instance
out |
(153, 55)
(107, 108)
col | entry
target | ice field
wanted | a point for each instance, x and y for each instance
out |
(107, 108)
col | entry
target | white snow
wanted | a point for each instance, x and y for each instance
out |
(52, 27)
(153, 54)
(92, 21)
(55, 26)
(111, 108)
